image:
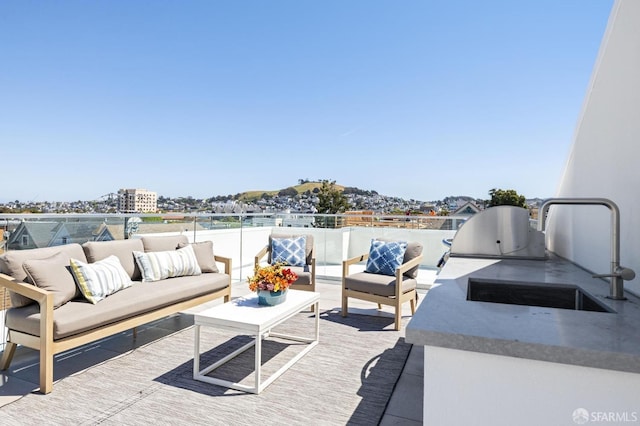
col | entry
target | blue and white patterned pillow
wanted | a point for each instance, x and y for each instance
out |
(290, 251)
(385, 256)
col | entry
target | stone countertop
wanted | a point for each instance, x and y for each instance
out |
(592, 339)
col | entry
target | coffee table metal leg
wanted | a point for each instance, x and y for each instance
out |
(196, 352)
(258, 362)
(317, 312)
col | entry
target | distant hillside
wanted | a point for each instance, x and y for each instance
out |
(453, 198)
(253, 196)
(300, 189)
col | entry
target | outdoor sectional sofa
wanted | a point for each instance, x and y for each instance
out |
(52, 311)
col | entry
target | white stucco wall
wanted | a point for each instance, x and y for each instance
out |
(472, 388)
(605, 157)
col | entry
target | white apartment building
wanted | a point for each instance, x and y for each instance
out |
(137, 201)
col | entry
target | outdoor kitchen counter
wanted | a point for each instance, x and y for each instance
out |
(447, 319)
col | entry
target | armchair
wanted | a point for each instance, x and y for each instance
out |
(306, 269)
(380, 287)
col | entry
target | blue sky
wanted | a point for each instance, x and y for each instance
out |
(417, 99)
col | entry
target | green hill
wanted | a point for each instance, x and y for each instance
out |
(307, 186)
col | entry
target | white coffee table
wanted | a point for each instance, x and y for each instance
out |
(245, 317)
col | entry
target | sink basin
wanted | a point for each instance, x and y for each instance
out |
(562, 296)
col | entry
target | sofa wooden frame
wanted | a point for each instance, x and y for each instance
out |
(396, 300)
(49, 347)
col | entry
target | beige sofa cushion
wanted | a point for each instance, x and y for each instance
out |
(122, 249)
(53, 274)
(78, 315)
(11, 264)
(163, 243)
(204, 254)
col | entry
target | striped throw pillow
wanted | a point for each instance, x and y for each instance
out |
(100, 279)
(158, 265)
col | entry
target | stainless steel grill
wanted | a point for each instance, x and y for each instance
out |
(499, 232)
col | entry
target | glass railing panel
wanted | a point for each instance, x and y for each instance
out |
(146, 224)
(238, 236)
(34, 231)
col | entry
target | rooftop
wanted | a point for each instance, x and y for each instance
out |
(403, 407)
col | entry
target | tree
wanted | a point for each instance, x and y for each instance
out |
(506, 197)
(288, 192)
(330, 199)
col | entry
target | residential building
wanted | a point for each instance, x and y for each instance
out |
(467, 209)
(137, 201)
(28, 235)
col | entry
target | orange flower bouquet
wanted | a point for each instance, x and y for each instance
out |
(272, 278)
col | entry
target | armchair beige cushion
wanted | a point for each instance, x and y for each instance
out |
(304, 276)
(379, 284)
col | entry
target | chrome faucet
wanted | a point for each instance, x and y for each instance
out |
(618, 273)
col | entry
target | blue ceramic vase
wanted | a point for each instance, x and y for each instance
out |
(271, 298)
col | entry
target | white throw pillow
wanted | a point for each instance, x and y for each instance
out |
(158, 265)
(100, 279)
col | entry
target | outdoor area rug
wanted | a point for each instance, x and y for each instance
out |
(347, 378)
